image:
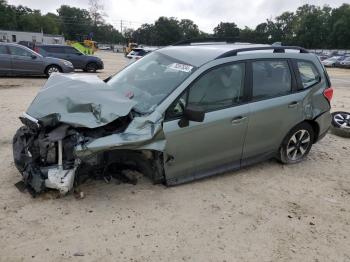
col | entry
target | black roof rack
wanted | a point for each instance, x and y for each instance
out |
(276, 49)
(207, 40)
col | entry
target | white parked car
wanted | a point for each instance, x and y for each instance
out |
(331, 62)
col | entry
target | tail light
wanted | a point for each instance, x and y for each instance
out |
(328, 93)
(36, 49)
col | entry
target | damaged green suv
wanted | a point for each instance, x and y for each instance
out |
(181, 113)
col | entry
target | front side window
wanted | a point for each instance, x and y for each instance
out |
(71, 50)
(271, 78)
(219, 88)
(308, 74)
(150, 80)
(19, 51)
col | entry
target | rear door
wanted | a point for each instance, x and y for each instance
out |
(275, 107)
(74, 56)
(5, 60)
(214, 145)
(24, 61)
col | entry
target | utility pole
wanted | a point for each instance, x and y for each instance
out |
(121, 27)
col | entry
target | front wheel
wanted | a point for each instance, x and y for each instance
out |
(91, 67)
(297, 144)
(52, 69)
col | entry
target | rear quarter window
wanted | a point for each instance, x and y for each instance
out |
(308, 74)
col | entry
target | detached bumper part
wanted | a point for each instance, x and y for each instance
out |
(60, 179)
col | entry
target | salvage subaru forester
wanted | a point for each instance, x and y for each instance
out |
(181, 113)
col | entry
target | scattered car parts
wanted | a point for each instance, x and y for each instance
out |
(341, 124)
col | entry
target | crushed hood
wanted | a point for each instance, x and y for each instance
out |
(80, 100)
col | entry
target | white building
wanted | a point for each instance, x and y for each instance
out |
(16, 36)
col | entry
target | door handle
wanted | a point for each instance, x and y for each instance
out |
(293, 104)
(238, 119)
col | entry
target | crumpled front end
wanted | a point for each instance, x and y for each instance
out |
(45, 158)
(65, 138)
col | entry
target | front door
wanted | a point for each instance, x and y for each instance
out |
(5, 60)
(214, 145)
(23, 61)
(75, 57)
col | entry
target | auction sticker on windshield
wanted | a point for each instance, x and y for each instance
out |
(180, 67)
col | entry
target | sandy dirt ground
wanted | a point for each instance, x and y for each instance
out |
(267, 212)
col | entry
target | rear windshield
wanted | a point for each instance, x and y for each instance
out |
(150, 80)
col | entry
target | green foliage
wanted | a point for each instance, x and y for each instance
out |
(226, 30)
(74, 23)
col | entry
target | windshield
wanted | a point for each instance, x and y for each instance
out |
(150, 80)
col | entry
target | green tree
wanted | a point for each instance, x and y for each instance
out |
(145, 34)
(76, 23)
(51, 24)
(340, 27)
(167, 30)
(226, 30)
(311, 26)
(188, 29)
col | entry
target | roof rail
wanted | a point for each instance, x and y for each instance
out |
(207, 40)
(276, 49)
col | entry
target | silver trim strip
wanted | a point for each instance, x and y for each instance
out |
(36, 121)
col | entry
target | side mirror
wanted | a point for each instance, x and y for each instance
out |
(192, 113)
(33, 56)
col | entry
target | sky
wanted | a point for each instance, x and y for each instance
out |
(205, 13)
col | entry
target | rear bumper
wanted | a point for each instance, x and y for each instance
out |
(324, 122)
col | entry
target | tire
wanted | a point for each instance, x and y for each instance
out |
(297, 144)
(52, 69)
(341, 124)
(91, 67)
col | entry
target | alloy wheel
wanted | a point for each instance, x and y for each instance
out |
(52, 70)
(342, 119)
(298, 144)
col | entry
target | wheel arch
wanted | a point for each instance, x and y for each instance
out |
(148, 161)
(315, 127)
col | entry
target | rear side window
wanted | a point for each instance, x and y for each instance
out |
(271, 78)
(308, 74)
(53, 49)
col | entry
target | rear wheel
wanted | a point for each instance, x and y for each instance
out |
(52, 69)
(297, 144)
(91, 67)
